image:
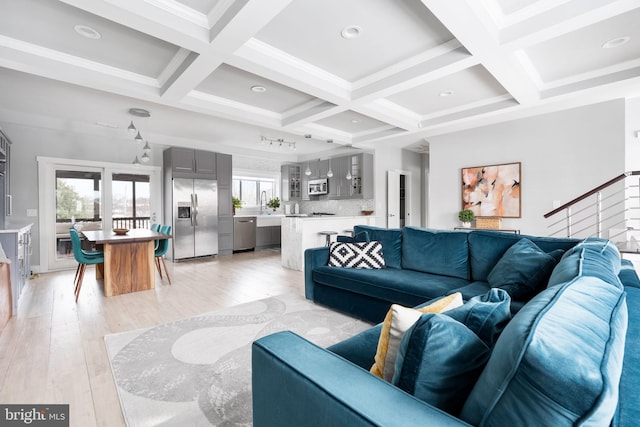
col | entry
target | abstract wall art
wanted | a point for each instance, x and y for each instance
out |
(492, 190)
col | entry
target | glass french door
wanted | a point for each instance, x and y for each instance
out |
(92, 195)
(78, 203)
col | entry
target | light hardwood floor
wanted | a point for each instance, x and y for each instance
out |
(53, 351)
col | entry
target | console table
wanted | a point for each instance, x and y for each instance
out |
(504, 230)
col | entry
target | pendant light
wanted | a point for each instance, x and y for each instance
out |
(348, 175)
(308, 170)
(329, 172)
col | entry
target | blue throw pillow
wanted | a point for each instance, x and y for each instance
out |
(439, 361)
(486, 315)
(441, 356)
(523, 270)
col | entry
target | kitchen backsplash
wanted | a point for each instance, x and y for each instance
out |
(338, 207)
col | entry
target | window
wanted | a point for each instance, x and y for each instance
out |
(130, 200)
(249, 190)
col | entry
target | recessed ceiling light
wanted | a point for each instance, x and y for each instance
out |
(354, 121)
(88, 32)
(258, 89)
(446, 93)
(616, 42)
(351, 32)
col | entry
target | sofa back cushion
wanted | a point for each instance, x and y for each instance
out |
(592, 257)
(391, 239)
(487, 247)
(435, 251)
(558, 362)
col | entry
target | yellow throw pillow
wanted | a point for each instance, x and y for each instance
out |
(397, 321)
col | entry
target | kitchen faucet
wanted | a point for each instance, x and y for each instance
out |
(264, 193)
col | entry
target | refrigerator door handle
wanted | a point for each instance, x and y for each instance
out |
(193, 211)
(194, 202)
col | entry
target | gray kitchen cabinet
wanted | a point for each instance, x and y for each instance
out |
(268, 236)
(291, 182)
(224, 168)
(17, 246)
(361, 167)
(338, 183)
(5, 176)
(360, 186)
(190, 163)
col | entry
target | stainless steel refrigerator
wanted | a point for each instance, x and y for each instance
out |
(195, 218)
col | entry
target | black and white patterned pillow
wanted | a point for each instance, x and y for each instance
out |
(356, 255)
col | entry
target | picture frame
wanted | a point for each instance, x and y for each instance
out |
(493, 190)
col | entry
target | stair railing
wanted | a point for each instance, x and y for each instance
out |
(612, 207)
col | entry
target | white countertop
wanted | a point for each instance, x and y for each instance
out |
(16, 228)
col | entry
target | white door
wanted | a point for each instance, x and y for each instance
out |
(393, 199)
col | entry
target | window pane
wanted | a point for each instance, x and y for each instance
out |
(130, 201)
(143, 204)
(267, 187)
(249, 192)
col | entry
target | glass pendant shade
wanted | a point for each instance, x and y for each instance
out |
(136, 161)
(329, 172)
(308, 170)
(348, 175)
(146, 147)
(145, 157)
(132, 127)
(138, 137)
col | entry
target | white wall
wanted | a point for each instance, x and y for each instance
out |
(563, 155)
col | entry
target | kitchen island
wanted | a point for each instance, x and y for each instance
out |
(301, 232)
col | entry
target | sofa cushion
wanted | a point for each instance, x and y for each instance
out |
(487, 247)
(435, 251)
(441, 356)
(522, 271)
(557, 362)
(486, 315)
(395, 324)
(592, 257)
(406, 287)
(439, 361)
(391, 239)
(356, 255)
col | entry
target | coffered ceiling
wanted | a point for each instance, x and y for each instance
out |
(223, 73)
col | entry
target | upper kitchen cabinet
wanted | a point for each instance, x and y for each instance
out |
(361, 168)
(352, 177)
(291, 182)
(190, 163)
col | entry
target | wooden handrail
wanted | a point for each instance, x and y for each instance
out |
(591, 192)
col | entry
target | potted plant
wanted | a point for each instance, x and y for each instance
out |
(274, 203)
(237, 204)
(466, 216)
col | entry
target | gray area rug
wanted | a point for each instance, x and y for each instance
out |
(197, 371)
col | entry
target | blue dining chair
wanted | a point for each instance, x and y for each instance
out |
(161, 250)
(156, 228)
(84, 258)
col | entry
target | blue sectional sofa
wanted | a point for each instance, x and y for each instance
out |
(569, 356)
(421, 264)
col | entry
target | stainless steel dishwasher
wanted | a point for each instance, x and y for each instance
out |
(244, 233)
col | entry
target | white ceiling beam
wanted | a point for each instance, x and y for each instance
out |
(563, 19)
(470, 29)
(235, 27)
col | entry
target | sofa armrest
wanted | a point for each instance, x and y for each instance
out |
(296, 383)
(313, 257)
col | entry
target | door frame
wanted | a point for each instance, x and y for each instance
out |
(393, 205)
(47, 200)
